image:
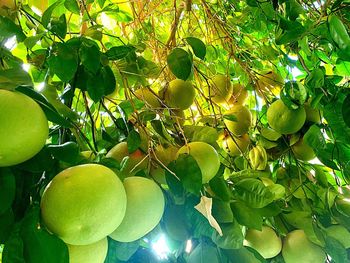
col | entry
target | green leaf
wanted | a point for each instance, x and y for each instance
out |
(246, 216)
(293, 94)
(67, 152)
(39, 245)
(294, 9)
(10, 29)
(121, 251)
(201, 134)
(338, 32)
(59, 26)
(13, 251)
(63, 61)
(90, 55)
(134, 141)
(180, 63)
(72, 6)
(12, 78)
(221, 211)
(7, 220)
(174, 184)
(219, 186)
(253, 192)
(129, 107)
(346, 110)
(289, 32)
(50, 112)
(46, 17)
(230, 117)
(189, 173)
(315, 79)
(8, 189)
(336, 250)
(232, 237)
(101, 84)
(197, 46)
(119, 52)
(204, 253)
(243, 255)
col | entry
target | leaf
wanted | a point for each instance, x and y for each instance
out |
(338, 32)
(336, 250)
(101, 84)
(346, 110)
(253, 192)
(133, 141)
(246, 216)
(220, 188)
(270, 134)
(7, 220)
(197, 46)
(8, 189)
(293, 94)
(203, 253)
(230, 117)
(13, 250)
(72, 6)
(90, 55)
(243, 254)
(174, 183)
(119, 52)
(204, 207)
(10, 29)
(12, 78)
(180, 63)
(232, 237)
(121, 251)
(315, 79)
(189, 173)
(63, 61)
(38, 245)
(67, 152)
(50, 112)
(59, 26)
(289, 32)
(201, 133)
(46, 17)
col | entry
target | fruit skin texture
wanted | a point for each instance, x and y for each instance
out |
(297, 248)
(284, 120)
(206, 157)
(239, 95)
(23, 128)
(340, 233)
(93, 253)
(83, 204)
(258, 158)
(148, 97)
(266, 242)
(145, 207)
(231, 146)
(312, 115)
(244, 120)
(135, 162)
(302, 151)
(220, 89)
(180, 94)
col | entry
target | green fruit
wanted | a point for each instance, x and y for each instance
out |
(236, 146)
(339, 233)
(266, 242)
(148, 97)
(298, 248)
(135, 162)
(302, 151)
(145, 207)
(206, 157)
(312, 115)
(92, 253)
(23, 128)
(88, 155)
(258, 158)
(165, 155)
(83, 204)
(284, 120)
(244, 120)
(180, 94)
(220, 89)
(239, 95)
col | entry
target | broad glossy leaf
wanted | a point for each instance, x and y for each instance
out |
(204, 253)
(10, 29)
(198, 46)
(246, 216)
(346, 110)
(119, 52)
(67, 152)
(90, 55)
(134, 141)
(8, 189)
(72, 6)
(180, 63)
(7, 221)
(232, 237)
(12, 78)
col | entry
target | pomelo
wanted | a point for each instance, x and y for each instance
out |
(303, 151)
(206, 157)
(83, 204)
(93, 253)
(244, 120)
(220, 89)
(236, 146)
(284, 120)
(148, 97)
(239, 95)
(145, 207)
(23, 128)
(180, 94)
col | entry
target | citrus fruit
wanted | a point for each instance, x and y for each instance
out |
(239, 95)
(148, 97)
(298, 248)
(220, 88)
(180, 94)
(303, 151)
(206, 157)
(266, 242)
(284, 120)
(243, 122)
(93, 253)
(145, 207)
(83, 204)
(236, 146)
(312, 115)
(23, 128)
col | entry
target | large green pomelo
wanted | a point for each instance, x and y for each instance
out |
(180, 94)
(284, 120)
(144, 209)
(83, 204)
(23, 128)
(93, 253)
(303, 151)
(244, 120)
(237, 145)
(266, 242)
(220, 89)
(297, 248)
(206, 157)
(340, 233)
